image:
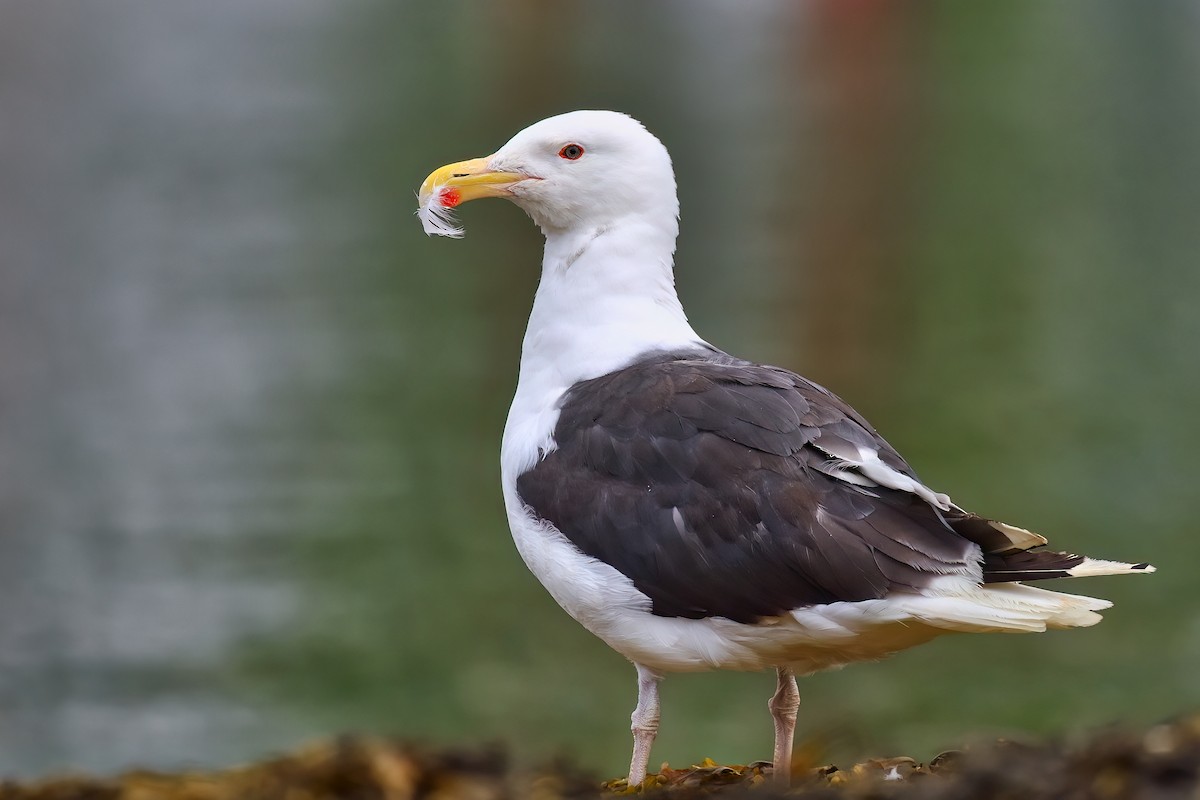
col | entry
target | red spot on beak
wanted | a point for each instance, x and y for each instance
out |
(449, 198)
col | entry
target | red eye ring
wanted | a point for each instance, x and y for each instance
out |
(571, 152)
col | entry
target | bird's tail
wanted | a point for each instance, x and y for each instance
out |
(1002, 603)
(1004, 607)
(1034, 565)
(1015, 554)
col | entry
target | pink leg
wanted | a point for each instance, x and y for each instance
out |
(644, 723)
(784, 704)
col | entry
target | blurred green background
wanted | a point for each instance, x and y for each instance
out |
(249, 490)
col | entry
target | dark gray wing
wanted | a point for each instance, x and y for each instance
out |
(697, 477)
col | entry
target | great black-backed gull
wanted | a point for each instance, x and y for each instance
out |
(694, 510)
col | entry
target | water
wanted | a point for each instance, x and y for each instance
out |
(159, 321)
(248, 482)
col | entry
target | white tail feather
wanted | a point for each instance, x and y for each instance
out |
(1096, 566)
(1008, 607)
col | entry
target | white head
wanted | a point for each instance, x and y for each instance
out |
(602, 190)
(581, 170)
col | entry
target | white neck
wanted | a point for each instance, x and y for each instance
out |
(606, 296)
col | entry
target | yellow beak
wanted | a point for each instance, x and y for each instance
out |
(468, 180)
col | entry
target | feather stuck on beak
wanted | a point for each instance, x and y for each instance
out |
(458, 183)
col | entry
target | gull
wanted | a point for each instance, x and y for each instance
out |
(697, 511)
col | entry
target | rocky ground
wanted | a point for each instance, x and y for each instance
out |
(1159, 762)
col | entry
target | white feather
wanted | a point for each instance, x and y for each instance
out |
(869, 464)
(437, 219)
(1098, 566)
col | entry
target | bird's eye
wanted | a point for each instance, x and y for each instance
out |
(570, 152)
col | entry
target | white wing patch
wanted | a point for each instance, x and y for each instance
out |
(436, 218)
(837, 469)
(881, 473)
(866, 461)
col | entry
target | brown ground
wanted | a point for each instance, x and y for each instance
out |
(1160, 762)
